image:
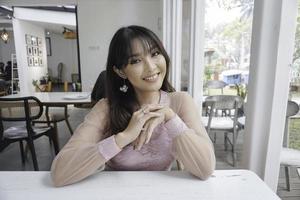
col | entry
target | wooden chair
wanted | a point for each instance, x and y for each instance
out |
(225, 124)
(54, 117)
(30, 108)
(289, 157)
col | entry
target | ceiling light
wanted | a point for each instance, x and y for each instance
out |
(4, 36)
(69, 34)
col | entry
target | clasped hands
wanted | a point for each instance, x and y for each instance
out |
(142, 124)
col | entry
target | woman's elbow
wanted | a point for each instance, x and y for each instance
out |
(57, 177)
(204, 174)
(59, 173)
(204, 170)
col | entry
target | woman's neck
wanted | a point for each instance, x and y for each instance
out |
(148, 97)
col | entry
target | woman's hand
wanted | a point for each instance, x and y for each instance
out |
(145, 136)
(137, 123)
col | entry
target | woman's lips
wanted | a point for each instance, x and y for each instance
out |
(151, 78)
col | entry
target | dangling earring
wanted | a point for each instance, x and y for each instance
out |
(124, 88)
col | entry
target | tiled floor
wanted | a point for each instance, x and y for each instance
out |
(10, 158)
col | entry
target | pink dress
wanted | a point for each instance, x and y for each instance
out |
(156, 155)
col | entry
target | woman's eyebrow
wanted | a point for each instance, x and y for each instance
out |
(134, 55)
(139, 54)
(154, 48)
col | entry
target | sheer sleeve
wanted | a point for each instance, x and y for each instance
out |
(82, 155)
(193, 147)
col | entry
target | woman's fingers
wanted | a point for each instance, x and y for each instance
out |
(149, 116)
(155, 122)
(150, 108)
(141, 140)
(146, 134)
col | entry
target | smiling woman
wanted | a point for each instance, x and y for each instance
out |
(143, 124)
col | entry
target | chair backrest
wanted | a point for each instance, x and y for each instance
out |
(292, 109)
(225, 102)
(20, 108)
(99, 90)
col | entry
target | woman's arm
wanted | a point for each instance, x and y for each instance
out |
(81, 157)
(192, 147)
(87, 151)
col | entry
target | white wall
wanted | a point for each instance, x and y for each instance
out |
(26, 73)
(7, 49)
(65, 51)
(99, 20)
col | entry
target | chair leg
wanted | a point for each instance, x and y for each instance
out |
(67, 121)
(33, 154)
(22, 151)
(69, 126)
(287, 178)
(225, 141)
(54, 138)
(215, 137)
(233, 149)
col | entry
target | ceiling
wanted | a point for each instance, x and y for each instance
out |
(6, 14)
(5, 18)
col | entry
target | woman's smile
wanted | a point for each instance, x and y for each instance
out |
(152, 78)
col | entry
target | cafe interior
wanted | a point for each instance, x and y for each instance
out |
(53, 52)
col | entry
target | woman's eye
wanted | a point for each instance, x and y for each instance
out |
(156, 53)
(134, 61)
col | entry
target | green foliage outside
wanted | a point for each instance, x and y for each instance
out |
(294, 133)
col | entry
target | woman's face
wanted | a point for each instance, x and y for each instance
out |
(146, 69)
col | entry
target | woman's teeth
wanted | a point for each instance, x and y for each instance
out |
(151, 78)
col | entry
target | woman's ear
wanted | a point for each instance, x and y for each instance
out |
(120, 72)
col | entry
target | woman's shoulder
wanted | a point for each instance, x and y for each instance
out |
(101, 107)
(98, 113)
(179, 96)
(102, 104)
(178, 99)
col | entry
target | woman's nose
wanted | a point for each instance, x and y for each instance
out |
(150, 65)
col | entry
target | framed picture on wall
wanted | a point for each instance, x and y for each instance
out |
(30, 61)
(28, 39)
(29, 51)
(34, 40)
(35, 51)
(35, 61)
(39, 42)
(48, 46)
(40, 61)
(40, 51)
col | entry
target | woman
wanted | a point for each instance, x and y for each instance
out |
(142, 124)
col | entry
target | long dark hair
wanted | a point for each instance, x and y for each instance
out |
(122, 105)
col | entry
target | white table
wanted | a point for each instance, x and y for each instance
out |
(173, 185)
(57, 98)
